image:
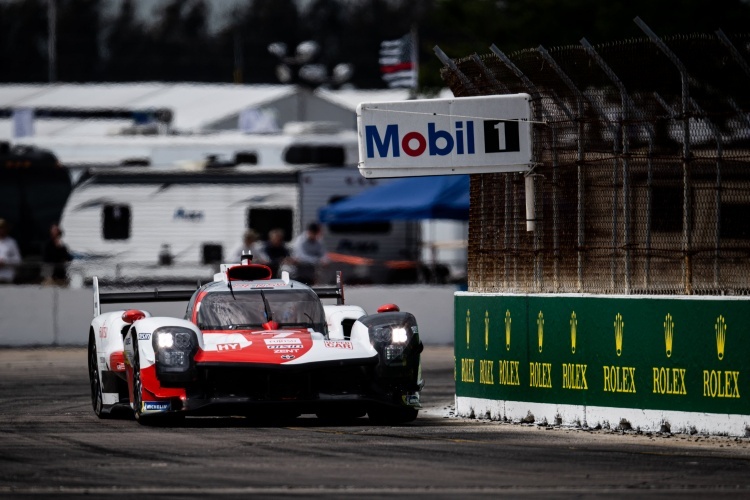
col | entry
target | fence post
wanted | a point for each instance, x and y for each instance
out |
(717, 196)
(452, 66)
(616, 149)
(555, 159)
(626, 104)
(687, 204)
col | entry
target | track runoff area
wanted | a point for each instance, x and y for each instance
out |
(54, 446)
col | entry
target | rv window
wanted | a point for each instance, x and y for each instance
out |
(246, 158)
(213, 253)
(322, 155)
(262, 220)
(116, 224)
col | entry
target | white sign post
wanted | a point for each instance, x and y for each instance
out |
(467, 135)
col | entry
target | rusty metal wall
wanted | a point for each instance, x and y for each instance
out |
(642, 169)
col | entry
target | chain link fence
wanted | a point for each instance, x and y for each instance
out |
(641, 169)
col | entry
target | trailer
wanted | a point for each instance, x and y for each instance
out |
(141, 225)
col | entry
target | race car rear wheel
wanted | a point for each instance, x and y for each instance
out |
(97, 402)
(392, 416)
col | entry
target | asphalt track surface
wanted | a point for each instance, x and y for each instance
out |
(53, 446)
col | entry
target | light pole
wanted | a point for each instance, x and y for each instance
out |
(300, 70)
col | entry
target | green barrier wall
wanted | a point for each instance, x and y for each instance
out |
(678, 354)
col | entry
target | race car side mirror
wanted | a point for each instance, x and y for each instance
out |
(386, 308)
(132, 315)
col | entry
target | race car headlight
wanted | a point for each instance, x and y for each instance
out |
(174, 347)
(165, 340)
(399, 336)
(388, 334)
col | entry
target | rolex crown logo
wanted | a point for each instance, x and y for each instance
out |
(468, 327)
(573, 328)
(507, 330)
(668, 333)
(721, 336)
(619, 327)
(486, 330)
(540, 329)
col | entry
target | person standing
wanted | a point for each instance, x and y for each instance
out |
(10, 256)
(308, 253)
(56, 256)
(275, 250)
(250, 242)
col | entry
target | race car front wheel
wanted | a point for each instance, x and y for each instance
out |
(142, 418)
(96, 386)
(138, 389)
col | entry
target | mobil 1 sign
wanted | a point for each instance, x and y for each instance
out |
(468, 135)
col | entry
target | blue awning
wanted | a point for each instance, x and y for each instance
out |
(413, 198)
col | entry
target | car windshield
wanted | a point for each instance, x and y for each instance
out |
(252, 308)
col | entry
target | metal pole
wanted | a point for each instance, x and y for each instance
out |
(52, 40)
(555, 158)
(506, 228)
(488, 74)
(626, 105)
(616, 150)
(733, 50)
(717, 197)
(452, 66)
(515, 240)
(686, 158)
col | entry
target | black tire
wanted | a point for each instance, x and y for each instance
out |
(97, 401)
(160, 419)
(392, 416)
(138, 389)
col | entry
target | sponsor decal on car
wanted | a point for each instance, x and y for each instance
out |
(287, 356)
(144, 336)
(103, 332)
(259, 285)
(338, 344)
(156, 406)
(279, 341)
(284, 346)
(228, 347)
(285, 351)
(128, 340)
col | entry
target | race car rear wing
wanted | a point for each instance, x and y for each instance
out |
(324, 292)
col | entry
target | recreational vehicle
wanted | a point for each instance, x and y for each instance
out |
(300, 144)
(143, 224)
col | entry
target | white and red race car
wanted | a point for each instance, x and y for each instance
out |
(254, 346)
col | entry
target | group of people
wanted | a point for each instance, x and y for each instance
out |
(302, 258)
(55, 256)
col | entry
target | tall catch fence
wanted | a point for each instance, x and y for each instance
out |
(641, 177)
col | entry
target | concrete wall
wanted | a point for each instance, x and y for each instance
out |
(33, 315)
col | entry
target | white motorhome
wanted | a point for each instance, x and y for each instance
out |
(138, 224)
(312, 143)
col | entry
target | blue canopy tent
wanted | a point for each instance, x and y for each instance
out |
(413, 198)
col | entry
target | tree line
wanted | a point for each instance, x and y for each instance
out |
(178, 44)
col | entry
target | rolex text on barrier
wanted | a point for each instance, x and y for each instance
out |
(679, 362)
(468, 135)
